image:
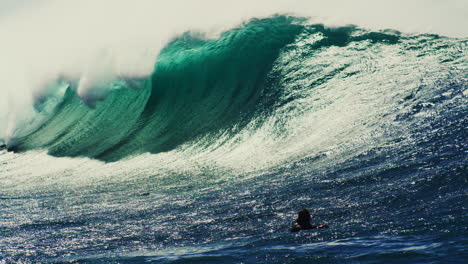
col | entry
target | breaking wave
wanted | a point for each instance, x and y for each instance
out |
(293, 81)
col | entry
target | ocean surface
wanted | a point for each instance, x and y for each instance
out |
(209, 158)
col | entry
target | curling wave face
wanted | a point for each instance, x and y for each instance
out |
(294, 82)
(198, 87)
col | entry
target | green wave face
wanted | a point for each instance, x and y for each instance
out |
(78, 130)
(202, 88)
(198, 87)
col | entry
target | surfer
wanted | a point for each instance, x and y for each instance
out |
(303, 222)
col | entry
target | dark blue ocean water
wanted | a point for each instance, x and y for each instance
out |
(403, 205)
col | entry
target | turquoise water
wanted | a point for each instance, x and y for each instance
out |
(209, 159)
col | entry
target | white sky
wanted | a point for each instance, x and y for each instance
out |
(447, 17)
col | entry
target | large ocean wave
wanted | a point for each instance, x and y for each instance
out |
(268, 72)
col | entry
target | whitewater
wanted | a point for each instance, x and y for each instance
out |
(198, 141)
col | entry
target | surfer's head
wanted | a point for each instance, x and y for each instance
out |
(303, 217)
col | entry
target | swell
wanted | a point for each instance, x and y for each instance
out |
(204, 88)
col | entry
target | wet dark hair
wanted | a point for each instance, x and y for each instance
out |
(303, 218)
